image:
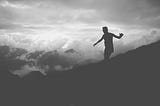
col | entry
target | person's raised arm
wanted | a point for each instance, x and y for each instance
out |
(118, 37)
(98, 41)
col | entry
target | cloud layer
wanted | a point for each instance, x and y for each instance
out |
(34, 23)
(48, 25)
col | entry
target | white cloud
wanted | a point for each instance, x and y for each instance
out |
(60, 68)
(25, 70)
(76, 24)
(12, 5)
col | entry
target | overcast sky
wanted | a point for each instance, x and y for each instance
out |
(65, 24)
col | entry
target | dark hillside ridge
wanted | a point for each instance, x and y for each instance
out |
(130, 79)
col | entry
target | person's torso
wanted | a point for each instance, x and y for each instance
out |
(108, 39)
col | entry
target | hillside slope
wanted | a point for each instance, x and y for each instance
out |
(130, 79)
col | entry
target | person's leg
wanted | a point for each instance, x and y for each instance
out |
(107, 54)
(106, 57)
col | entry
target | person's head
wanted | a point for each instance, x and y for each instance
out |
(105, 29)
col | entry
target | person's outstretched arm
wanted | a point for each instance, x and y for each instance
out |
(98, 41)
(118, 37)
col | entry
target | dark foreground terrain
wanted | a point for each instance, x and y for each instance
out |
(130, 79)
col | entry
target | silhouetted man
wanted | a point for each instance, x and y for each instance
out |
(108, 42)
